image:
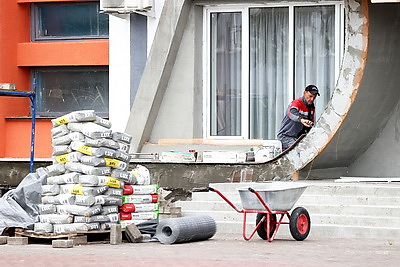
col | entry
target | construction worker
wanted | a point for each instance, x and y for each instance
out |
(299, 117)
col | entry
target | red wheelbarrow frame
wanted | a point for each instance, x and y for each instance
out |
(268, 218)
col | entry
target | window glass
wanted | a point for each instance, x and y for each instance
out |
(70, 20)
(256, 70)
(268, 70)
(226, 56)
(314, 56)
(62, 90)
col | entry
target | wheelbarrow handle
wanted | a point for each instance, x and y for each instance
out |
(251, 190)
(224, 198)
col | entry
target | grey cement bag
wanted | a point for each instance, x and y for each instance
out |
(43, 228)
(79, 210)
(68, 157)
(103, 122)
(62, 140)
(118, 192)
(122, 137)
(55, 169)
(88, 180)
(109, 209)
(110, 182)
(50, 189)
(47, 208)
(61, 199)
(59, 131)
(61, 150)
(56, 218)
(124, 176)
(67, 178)
(69, 228)
(84, 200)
(75, 116)
(108, 200)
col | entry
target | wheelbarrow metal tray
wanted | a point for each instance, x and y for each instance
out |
(279, 196)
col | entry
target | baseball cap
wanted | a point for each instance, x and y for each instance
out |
(312, 89)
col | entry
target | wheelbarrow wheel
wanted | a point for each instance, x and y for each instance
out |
(300, 223)
(262, 230)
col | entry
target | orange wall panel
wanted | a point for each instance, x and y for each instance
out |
(77, 53)
(18, 139)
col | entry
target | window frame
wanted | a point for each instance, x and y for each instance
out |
(244, 9)
(34, 82)
(35, 23)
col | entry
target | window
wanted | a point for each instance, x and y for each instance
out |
(76, 20)
(260, 58)
(63, 90)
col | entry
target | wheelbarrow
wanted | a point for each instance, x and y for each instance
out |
(272, 203)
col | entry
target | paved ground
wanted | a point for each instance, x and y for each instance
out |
(221, 250)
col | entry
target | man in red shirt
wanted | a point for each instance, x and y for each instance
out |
(299, 117)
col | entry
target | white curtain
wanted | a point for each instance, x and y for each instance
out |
(268, 70)
(315, 51)
(226, 68)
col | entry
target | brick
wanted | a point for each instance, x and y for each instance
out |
(17, 240)
(133, 233)
(3, 240)
(79, 239)
(61, 243)
(115, 234)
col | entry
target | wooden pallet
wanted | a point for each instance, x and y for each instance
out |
(79, 237)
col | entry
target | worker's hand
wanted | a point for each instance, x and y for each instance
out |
(306, 122)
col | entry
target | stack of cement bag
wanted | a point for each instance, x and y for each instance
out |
(140, 201)
(85, 183)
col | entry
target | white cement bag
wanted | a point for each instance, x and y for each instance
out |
(142, 175)
(50, 189)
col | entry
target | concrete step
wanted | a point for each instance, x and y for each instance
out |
(326, 188)
(317, 230)
(367, 210)
(307, 198)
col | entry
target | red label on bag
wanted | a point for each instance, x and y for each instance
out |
(128, 190)
(128, 208)
(125, 216)
(154, 198)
